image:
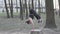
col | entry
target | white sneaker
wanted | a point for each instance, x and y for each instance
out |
(40, 21)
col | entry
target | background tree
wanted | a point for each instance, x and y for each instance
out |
(50, 20)
(16, 6)
(32, 3)
(29, 4)
(59, 8)
(21, 10)
(3, 10)
(26, 9)
(39, 9)
(35, 6)
(7, 11)
(11, 8)
(9, 3)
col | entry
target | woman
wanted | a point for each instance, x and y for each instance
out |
(31, 17)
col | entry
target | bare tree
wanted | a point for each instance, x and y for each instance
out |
(9, 3)
(16, 6)
(39, 9)
(29, 4)
(59, 8)
(35, 6)
(7, 11)
(50, 20)
(26, 9)
(21, 10)
(11, 8)
(32, 4)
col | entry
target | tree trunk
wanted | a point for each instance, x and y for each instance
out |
(29, 4)
(9, 3)
(16, 6)
(7, 11)
(59, 8)
(26, 9)
(50, 19)
(33, 4)
(11, 8)
(21, 10)
(39, 10)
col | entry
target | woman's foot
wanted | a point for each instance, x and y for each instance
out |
(39, 20)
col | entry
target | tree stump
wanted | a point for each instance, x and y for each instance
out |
(36, 31)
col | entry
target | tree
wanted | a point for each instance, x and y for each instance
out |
(26, 9)
(39, 10)
(16, 6)
(33, 4)
(11, 8)
(9, 3)
(59, 8)
(29, 4)
(7, 11)
(21, 10)
(50, 20)
(3, 10)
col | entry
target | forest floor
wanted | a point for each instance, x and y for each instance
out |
(17, 26)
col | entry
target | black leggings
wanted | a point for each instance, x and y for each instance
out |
(37, 16)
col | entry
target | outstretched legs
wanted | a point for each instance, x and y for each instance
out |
(30, 21)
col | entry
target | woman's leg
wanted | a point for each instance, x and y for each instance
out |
(38, 17)
(30, 19)
(32, 11)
